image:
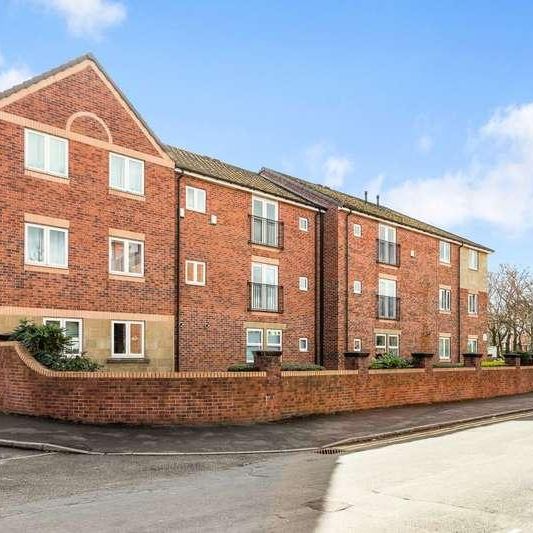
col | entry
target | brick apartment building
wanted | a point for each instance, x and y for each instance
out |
(393, 283)
(155, 258)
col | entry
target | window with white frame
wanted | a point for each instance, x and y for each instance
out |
(72, 327)
(303, 224)
(357, 345)
(264, 287)
(303, 344)
(126, 174)
(473, 259)
(357, 287)
(254, 342)
(444, 348)
(195, 272)
(265, 227)
(303, 283)
(471, 345)
(46, 153)
(472, 304)
(445, 300)
(46, 246)
(127, 339)
(387, 301)
(273, 340)
(387, 343)
(126, 257)
(445, 252)
(357, 230)
(195, 199)
(388, 252)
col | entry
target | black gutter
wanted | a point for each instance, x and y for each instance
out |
(346, 347)
(459, 304)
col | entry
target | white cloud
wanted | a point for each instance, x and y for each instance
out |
(496, 187)
(87, 18)
(326, 166)
(424, 144)
(12, 75)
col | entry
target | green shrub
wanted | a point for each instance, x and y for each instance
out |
(448, 365)
(388, 360)
(49, 344)
(493, 362)
(300, 367)
(243, 367)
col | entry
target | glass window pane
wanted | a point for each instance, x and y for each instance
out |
(200, 272)
(72, 330)
(117, 256)
(53, 323)
(189, 271)
(254, 337)
(200, 200)
(381, 340)
(35, 244)
(135, 178)
(57, 248)
(257, 208)
(271, 211)
(58, 156)
(119, 339)
(189, 202)
(117, 170)
(35, 151)
(135, 258)
(136, 340)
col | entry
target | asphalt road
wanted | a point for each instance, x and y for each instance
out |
(475, 480)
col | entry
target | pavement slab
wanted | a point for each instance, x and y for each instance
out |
(296, 433)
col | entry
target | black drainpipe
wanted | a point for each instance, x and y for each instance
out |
(179, 175)
(346, 348)
(319, 284)
(459, 306)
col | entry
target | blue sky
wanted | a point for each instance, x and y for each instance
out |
(428, 103)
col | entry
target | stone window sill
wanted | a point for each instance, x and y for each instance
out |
(124, 277)
(47, 177)
(46, 269)
(129, 195)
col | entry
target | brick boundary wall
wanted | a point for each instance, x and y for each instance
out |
(223, 397)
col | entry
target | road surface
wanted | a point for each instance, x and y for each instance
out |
(475, 480)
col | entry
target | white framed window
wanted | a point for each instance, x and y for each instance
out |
(357, 230)
(303, 224)
(445, 300)
(394, 344)
(273, 340)
(444, 252)
(126, 257)
(473, 259)
(264, 287)
(254, 342)
(195, 199)
(45, 153)
(445, 348)
(472, 304)
(357, 345)
(265, 227)
(73, 329)
(195, 272)
(46, 246)
(357, 287)
(387, 343)
(303, 344)
(127, 339)
(387, 233)
(471, 345)
(387, 301)
(303, 283)
(126, 174)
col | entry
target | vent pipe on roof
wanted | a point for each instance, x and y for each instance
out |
(366, 197)
(377, 200)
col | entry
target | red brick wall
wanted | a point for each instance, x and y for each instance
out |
(87, 203)
(27, 388)
(212, 317)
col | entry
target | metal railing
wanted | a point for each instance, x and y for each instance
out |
(263, 297)
(387, 307)
(388, 252)
(266, 232)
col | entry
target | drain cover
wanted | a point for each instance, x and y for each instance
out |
(329, 451)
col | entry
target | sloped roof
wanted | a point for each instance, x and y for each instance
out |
(215, 168)
(72, 63)
(348, 201)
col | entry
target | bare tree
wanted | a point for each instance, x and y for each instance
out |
(510, 308)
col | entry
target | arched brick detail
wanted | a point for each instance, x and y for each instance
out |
(89, 124)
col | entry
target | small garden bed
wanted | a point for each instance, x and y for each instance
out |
(49, 345)
(388, 360)
(294, 367)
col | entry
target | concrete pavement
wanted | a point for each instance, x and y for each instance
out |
(475, 481)
(309, 432)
